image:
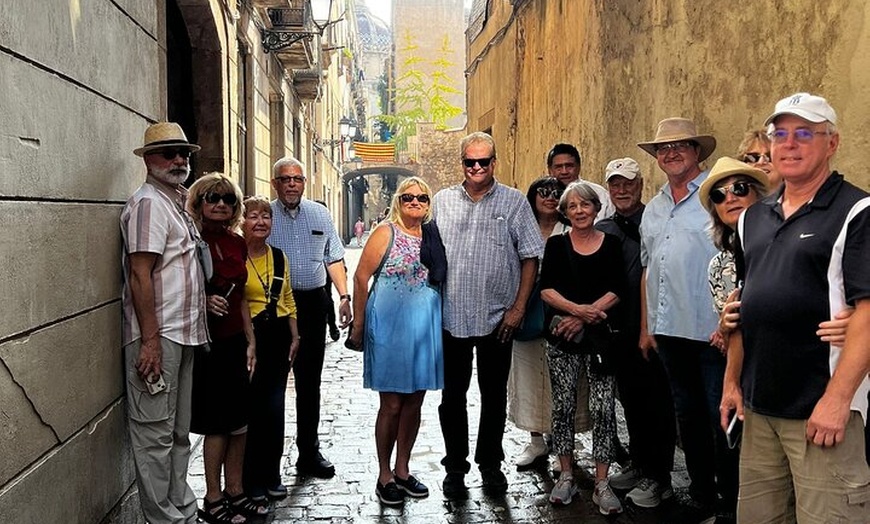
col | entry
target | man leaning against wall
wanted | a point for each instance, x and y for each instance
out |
(164, 320)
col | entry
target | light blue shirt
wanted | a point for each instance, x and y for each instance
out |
(675, 249)
(309, 240)
(485, 243)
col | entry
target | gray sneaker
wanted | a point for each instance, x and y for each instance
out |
(626, 479)
(649, 493)
(563, 491)
(603, 496)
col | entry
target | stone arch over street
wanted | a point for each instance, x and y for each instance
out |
(359, 182)
(195, 79)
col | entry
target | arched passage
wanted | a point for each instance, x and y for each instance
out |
(360, 182)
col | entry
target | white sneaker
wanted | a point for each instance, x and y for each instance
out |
(535, 450)
(607, 501)
(626, 479)
(563, 491)
(649, 493)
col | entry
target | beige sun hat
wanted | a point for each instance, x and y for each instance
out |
(164, 135)
(678, 129)
(726, 167)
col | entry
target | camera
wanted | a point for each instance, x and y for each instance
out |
(155, 383)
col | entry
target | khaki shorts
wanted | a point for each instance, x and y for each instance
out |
(784, 478)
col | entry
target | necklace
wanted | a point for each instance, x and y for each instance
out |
(267, 284)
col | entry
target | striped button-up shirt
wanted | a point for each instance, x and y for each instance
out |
(309, 240)
(675, 249)
(485, 243)
(152, 221)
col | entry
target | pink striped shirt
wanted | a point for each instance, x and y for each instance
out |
(152, 222)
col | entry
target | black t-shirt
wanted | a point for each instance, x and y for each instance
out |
(583, 279)
(790, 283)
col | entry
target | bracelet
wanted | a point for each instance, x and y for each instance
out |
(344, 297)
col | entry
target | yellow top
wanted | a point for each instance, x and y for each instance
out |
(260, 272)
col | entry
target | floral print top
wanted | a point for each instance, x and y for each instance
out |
(403, 260)
(722, 274)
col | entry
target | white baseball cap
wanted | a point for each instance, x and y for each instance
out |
(625, 167)
(804, 105)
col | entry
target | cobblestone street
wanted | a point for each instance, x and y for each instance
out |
(347, 439)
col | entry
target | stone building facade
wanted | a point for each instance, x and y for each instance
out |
(79, 83)
(602, 74)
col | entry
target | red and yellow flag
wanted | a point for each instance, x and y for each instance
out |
(379, 152)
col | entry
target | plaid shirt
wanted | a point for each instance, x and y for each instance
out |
(309, 240)
(485, 242)
(153, 222)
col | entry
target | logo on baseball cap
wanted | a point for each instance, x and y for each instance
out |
(812, 108)
(625, 167)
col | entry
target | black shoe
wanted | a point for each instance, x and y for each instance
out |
(389, 495)
(691, 512)
(315, 466)
(454, 485)
(334, 333)
(411, 486)
(277, 492)
(494, 480)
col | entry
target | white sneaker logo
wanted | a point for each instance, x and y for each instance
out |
(806, 235)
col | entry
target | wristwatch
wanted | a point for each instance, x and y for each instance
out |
(344, 297)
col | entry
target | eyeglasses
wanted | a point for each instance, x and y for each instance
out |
(801, 134)
(228, 198)
(738, 189)
(549, 192)
(407, 198)
(482, 162)
(170, 154)
(287, 179)
(756, 158)
(677, 147)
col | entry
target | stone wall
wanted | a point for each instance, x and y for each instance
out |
(438, 154)
(74, 105)
(601, 74)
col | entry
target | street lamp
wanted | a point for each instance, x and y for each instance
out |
(344, 126)
(290, 25)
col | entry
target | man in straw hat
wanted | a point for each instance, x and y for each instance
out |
(677, 317)
(805, 249)
(164, 318)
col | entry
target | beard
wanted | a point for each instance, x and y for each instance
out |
(174, 175)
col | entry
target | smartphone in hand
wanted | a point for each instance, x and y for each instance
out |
(734, 431)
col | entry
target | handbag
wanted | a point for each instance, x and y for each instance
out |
(533, 322)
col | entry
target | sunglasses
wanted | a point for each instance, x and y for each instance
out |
(738, 189)
(549, 192)
(228, 198)
(678, 147)
(756, 158)
(170, 154)
(284, 180)
(482, 162)
(407, 198)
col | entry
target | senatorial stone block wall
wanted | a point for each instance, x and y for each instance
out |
(601, 74)
(79, 81)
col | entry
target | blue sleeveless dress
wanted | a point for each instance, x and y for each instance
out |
(403, 352)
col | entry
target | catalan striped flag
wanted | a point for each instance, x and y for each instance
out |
(380, 152)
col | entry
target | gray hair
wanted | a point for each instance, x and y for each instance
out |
(284, 162)
(477, 136)
(581, 190)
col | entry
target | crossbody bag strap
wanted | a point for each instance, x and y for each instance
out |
(277, 278)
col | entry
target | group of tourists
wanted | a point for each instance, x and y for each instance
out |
(738, 295)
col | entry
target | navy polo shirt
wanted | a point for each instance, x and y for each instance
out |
(799, 272)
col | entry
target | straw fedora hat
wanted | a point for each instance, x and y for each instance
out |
(164, 135)
(676, 130)
(726, 167)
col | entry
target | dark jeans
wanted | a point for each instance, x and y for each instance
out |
(311, 321)
(645, 395)
(265, 443)
(696, 370)
(493, 367)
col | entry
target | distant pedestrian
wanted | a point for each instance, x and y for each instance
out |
(163, 301)
(804, 401)
(493, 244)
(358, 229)
(398, 324)
(273, 312)
(678, 320)
(221, 374)
(304, 231)
(563, 164)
